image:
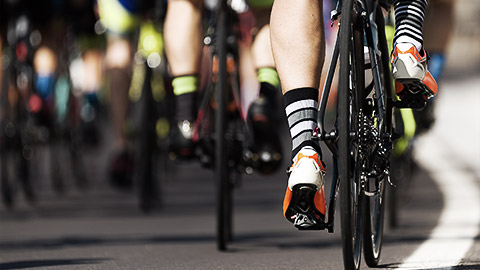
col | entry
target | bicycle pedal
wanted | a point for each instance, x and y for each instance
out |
(415, 104)
(414, 101)
(304, 222)
(413, 94)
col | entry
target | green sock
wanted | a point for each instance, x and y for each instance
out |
(268, 75)
(185, 84)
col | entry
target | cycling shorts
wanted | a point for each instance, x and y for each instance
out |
(120, 17)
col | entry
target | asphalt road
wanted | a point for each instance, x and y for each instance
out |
(104, 229)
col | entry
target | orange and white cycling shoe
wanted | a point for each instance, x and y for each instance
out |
(304, 203)
(413, 82)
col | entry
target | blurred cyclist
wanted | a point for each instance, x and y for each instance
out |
(438, 28)
(121, 19)
(183, 44)
(298, 27)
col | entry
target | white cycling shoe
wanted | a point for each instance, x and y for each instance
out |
(304, 202)
(409, 69)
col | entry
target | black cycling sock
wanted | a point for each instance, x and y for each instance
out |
(185, 107)
(301, 108)
(268, 90)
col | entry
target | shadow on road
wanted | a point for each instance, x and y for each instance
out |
(48, 263)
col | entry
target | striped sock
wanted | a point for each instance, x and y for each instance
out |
(409, 15)
(301, 108)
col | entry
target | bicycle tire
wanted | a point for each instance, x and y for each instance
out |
(14, 167)
(146, 145)
(7, 191)
(221, 169)
(351, 197)
(375, 205)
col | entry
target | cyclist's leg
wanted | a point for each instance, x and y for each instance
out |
(264, 111)
(298, 27)
(120, 23)
(261, 49)
(183, 46)
(438, 28)
(409, 59)
(118, 69)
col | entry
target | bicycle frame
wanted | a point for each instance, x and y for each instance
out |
(368, 12)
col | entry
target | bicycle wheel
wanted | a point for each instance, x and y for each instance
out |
(145, 148)
(14, 166)
(375, 204)
(5, 141)
(373, 226)
(224, 192)
(348, 145)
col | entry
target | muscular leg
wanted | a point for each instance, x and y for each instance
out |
(118, 67)
(298, 45)
(261, 47)
(263, 111)
(183, 36)
(183, 46)
(298, 42)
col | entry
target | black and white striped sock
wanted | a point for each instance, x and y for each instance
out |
(409, 15)
(301, 108)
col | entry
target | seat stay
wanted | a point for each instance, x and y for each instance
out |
(321, 134)
(371, 33)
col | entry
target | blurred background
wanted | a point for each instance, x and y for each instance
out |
(75, 188)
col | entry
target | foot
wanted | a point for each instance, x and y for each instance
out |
(413, 82)
(266, 141)
(181, 136)
(304, 203)
(121, 170)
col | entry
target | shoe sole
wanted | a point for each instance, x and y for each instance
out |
(303, 202)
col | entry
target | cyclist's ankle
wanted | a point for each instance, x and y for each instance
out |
(301, 110)
(268, 75)
(185, 90)
(185, 108)
(267, 90)
(418, 46)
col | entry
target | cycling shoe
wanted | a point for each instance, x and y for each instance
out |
(121, 170)
(181, 143)
(413, 82)
(304, 202)
(261, 119)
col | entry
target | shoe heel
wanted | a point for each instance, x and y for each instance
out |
(408, 69)
(303, 197)
(302, 209)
